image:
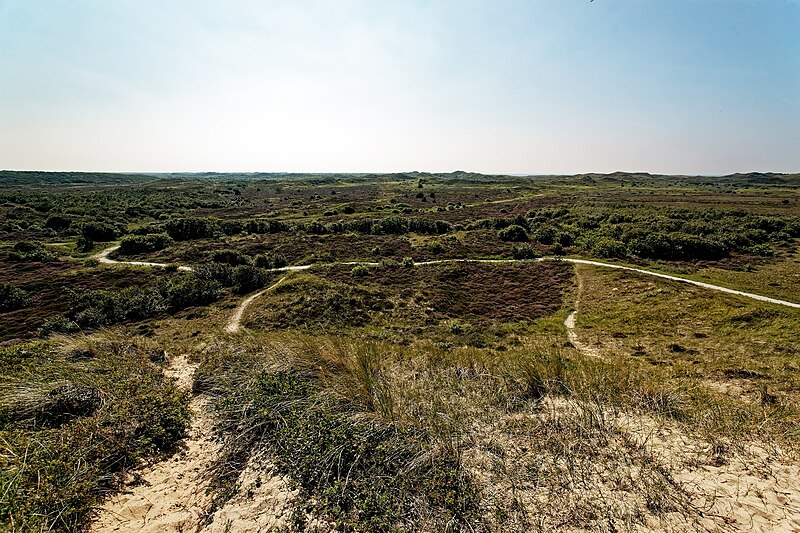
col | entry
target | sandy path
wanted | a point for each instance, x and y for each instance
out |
(103, 258)
(263, 502)
(236, 318)
(584, 348)
(169, 496)
(571, 321)
(172, 497)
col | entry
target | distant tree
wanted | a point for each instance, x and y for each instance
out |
(58, 223)
(184, 229)
(99, 231)
(138, 244)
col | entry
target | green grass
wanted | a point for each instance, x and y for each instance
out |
(778, 278)
(703, 344)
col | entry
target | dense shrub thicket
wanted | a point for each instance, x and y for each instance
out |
(97, 308)
(241, 278)
(184, 229)
(663, 234)
(609, 231)
(513, 233)
(99, 231)
(140, 244)
(30, 252)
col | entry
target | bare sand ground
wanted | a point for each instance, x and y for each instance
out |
(172, 495)
(752, 488)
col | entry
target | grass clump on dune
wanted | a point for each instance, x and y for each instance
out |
(324, 413)
(74, 415)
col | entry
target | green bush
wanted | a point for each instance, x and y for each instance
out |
(184, 291)
(30, 252)
(58, 324)
(248, 278)
(84, 245)
(231, 257)
(99, 231)
(12, 298)
(139, 244)
(220, 272)
(609, 248)
(513, 233)
(184, 229)
(359, 271)
(91, 309)
(270, 260)
(58, 223)
(524, 251)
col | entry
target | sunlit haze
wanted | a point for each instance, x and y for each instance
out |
(567, 86)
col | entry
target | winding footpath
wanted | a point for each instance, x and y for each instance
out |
(103, 258)
(233, 325)
(236, 318)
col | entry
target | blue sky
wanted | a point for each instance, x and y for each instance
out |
(535, 86)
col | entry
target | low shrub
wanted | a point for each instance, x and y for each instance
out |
(366, 474)
(185, 229)
(91, 309)
(513, 233)
(270, 260)
(13, 298)
(139, 244)
(524, 251)
(359, 271)
(27, 252)
(99, 231)
(231, 257)
(248, 278)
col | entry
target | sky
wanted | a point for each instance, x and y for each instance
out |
(496, 86)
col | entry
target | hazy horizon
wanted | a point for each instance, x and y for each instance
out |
(695, 87)
(387, 172)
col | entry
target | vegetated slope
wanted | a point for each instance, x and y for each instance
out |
(74, 415)
(457, 303)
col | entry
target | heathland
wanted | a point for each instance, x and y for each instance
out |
(412, 351)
